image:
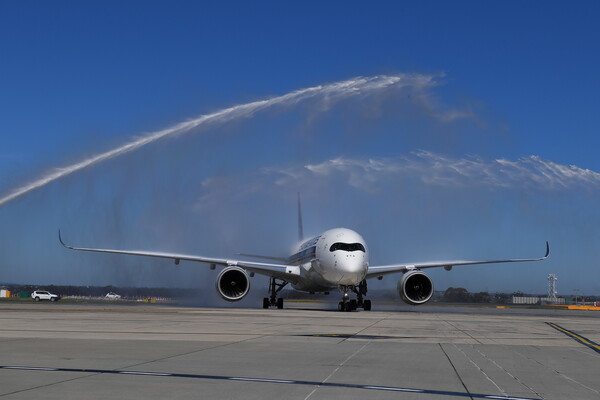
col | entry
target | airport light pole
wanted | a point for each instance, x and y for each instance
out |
(575, 290)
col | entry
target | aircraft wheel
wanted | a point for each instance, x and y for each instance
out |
(341, 306)
(265, 303)
(353, 305)
(367, 305)
(348, 307)
(280, 303)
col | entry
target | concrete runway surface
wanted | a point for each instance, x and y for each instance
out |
(68, 351)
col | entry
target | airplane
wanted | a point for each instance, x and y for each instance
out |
(335, 259)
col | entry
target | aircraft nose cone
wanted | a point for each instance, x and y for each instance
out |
(353, 269)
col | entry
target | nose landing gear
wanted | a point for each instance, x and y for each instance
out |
(359, 302)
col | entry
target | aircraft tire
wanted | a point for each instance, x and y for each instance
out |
(280, 303)
(341, 306)
(353, 305)
(265, 303)
(367, 305)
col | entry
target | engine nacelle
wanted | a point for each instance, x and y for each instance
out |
(233, 283)
(415, 287)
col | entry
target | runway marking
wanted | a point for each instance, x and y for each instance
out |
(144, 373)
(266, 380)
(395, 389)
(33, 368)
(261, 380)
(581, 339)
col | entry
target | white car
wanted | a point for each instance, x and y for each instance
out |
(44, 295)
(112, 296)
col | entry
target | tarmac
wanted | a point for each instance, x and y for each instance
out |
(305, 351)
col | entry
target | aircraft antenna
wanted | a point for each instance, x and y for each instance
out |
(300, 230)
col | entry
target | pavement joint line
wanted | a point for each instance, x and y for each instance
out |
(265, 380)
(464, 331)
(191, 352)
(507, 372)
(581, 339)
(44, 369)
(324, 382)
(455, 371)
(479, 368)
(559, 373)
(358, 334)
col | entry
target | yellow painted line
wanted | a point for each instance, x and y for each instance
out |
(581, 339)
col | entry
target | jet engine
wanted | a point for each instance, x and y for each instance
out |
(233, 283)
(415, 287)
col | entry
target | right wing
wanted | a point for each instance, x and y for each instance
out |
(286, 272)
(391, 269)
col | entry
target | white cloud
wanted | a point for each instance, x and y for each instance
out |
(378, 175)
(435, 169)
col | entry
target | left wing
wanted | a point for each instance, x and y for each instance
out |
(289, 273)
(390, 269)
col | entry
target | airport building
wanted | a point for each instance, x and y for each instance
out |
(537, 300)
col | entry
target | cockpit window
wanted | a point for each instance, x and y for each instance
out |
(347, 247)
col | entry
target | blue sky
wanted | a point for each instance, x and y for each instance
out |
(511, 80)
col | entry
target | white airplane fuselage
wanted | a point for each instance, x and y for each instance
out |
(338, 257)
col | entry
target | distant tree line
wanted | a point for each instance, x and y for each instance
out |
(462, 295)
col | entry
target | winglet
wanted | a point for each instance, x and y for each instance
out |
(61, 241)
(547, 250)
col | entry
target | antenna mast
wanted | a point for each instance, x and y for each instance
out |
(552, 286)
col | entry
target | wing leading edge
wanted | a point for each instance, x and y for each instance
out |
(289, 273)
(390, 269)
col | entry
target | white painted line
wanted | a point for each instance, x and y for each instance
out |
(506, 398)
(33, 368)
(144, 373)
(260, 380)
(393, 389)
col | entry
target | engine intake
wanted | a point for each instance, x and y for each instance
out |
(415, 287)
(233, 283)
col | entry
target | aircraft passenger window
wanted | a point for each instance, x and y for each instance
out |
(347, 247)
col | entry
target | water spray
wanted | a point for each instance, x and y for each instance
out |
(332, 92)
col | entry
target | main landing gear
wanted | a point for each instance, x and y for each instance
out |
(359, 302)
(274, 288)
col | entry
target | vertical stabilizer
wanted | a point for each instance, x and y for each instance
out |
(300, 230)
